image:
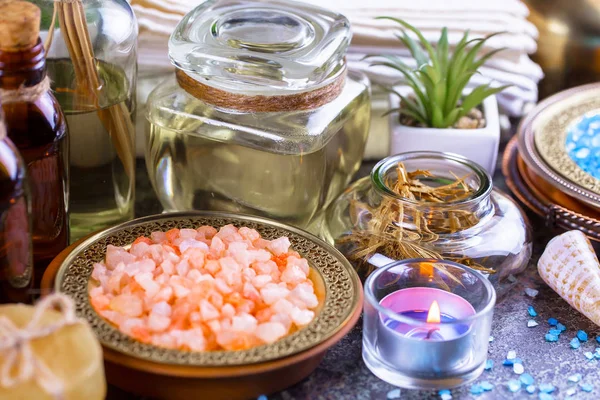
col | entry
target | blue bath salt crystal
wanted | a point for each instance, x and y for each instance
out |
(574, 378)
(510, 363)
(492, 339)
(551, 338)
(552, 321)
(561, 327)
(530, 389)
(556, 332)
(444, 391)
(531, 311)
(574, 343)
(514, 385)
(582, 335)
(545, 396)
(583, 143)
(262, 397)
(476, 389)
(393, 394)
(489, 364)
(589, 355)
(546, 388)
(598, 339)
(526, 379)
(586, 387)
(485, 385)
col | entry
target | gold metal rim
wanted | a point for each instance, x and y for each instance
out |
(342, 287)
(542, 138)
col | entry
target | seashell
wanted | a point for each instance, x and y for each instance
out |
(570, 267)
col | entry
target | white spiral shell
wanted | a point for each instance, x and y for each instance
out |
(570, 267)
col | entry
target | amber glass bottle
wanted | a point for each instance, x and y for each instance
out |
(16, 264)
(36, 125)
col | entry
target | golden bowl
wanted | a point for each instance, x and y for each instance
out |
(262, 369)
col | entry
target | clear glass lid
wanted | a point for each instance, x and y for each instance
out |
(260, 47)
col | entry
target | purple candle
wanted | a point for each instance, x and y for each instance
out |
(430, 338)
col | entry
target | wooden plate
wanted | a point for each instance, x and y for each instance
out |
(226, 381)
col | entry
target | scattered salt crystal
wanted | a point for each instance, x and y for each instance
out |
(552, 321)
(393, 394)
(531, 292)
(514, 385)
(491, 339)
(555, 332)
(489, 364)
(511, 355)
(575, 343)
(589, 355)
(531, 311)
(512, 278)
(570, 392)
(574, 378)
(586, 387)
(551, 338)
(582, 335)
(561, 327)
(531, 323)
(446, 396)
(526, 379)
(518, 369)
(545, 396)
(262, 397)
(598, 339)
(476, 389)
(547, 388)
(485, 385)
(530, 389)
(444, 391)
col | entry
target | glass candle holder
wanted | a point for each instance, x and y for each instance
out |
(427, 323)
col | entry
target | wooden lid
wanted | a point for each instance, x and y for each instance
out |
(19, 25)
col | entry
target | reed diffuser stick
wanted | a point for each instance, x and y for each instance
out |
(116, 118)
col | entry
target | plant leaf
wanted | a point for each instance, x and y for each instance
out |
(442, 52)
(414, 48)
(422, 39)
(452, 117)
(477, 96)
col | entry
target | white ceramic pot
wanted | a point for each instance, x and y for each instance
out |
(479, 145)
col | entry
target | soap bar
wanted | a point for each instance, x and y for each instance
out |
(72, 354)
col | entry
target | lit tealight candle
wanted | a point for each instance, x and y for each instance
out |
(426, 323)
(427, 337)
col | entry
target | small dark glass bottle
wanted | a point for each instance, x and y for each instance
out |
(16, 263)
(36, 125)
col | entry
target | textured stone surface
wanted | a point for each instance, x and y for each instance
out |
(343, 375)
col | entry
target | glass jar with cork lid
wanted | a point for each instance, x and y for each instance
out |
(262, 116)
(36, 125)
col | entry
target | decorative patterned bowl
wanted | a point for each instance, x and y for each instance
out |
(559, 143)
(222, 374)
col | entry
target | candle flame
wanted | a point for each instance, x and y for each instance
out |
(433, 316)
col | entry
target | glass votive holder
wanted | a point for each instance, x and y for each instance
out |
(427, 323)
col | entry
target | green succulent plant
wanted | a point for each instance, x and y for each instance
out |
(440, 78)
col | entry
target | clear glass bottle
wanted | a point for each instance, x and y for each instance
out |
(16, 253)
(262, 117)
(36, 125)
(486, 231)
(94, 76)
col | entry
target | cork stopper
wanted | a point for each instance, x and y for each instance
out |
(19, 25)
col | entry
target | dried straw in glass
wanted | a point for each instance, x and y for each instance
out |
(116, 118)
(386, 233)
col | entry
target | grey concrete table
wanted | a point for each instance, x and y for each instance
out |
(343, 375)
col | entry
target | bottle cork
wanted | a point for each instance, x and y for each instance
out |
(19, 25)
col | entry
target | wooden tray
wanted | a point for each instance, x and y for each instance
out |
(557, 208)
